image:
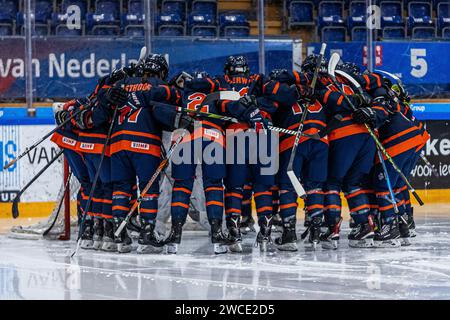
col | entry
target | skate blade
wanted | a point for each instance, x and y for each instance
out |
(97, 244)
(393, 243)
(219, 248)
(330, 245)
(145, 249)
(123, 248)
(87, 244)
(363, 243)
(288, 247)
(405, 242)
(235, 247)
(412, 233)
(172, 248)
(109, 246)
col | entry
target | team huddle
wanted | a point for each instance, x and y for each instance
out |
(352, 131)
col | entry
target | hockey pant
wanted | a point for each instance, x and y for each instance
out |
(126, 166)
(80, 171)
(102, 197)
(350, 162)
(183, 172)
(310, 166)
(405, 162)
(248, 165)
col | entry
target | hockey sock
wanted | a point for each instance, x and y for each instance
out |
(314, 203)
(263, 200)
(148, 208)
(407, 197)
(121, 198)
(358, 204)
(275, 199)
(385, 206)
(233, 202)
(181, 193)
(247, 200)
(214, 198)
(332, 204)
(107, 189)
(288, 202)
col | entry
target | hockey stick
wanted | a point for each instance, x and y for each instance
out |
(212, 97)
(59, 205)
(290, 168)
(334, 60)
(380, 155)
(94, 183)
(15, 205)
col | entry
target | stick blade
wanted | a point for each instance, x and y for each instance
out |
(334, 60)
(15, 207)
(143, 53)
(296, 184)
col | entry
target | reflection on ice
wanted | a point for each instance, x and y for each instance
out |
(42, 269)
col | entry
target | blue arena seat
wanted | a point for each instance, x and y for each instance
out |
(333, 34)
(301, 13)
(356, 14)
(394, 33)
(236, 32)
(170, 24)
(109, 7)
(43, 11)
(446, 33)
(358, 34)
(6, 30)
(134, 31)
(63, 30)
(235, 20)
(391, 13)
(171, 31)
(178, 7)
(103, 30)
(330, 13)
(201, 21)
(82, 4)
(423, 33)
(135, 15)
(205, 6)
(204, 31)
(9, 11)
(443, 16)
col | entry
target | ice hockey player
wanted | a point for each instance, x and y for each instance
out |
(136, 146)
(310, 162)
(351, 155)
(255, 91)
(67, 139)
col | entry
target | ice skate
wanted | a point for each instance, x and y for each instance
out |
(174, 238)
(288, 239)
(148, 243)
(311, 237)
(330, 238)
(388, 236)
(123, 241)
(263, 238)
(247, 225)
(133, 227)
(361, 235)
(87, 241)
(108, 236)
(98, 234)
(405, 234)
(277, 223)
(218, 239)
(234, 237)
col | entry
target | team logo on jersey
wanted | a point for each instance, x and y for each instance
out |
(312, 108)
(140, 145)
(69, 141)
(211, 133)
(87, 146)
(347, 89)
(195, 100)
(138, 87)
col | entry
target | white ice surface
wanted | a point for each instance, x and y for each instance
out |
(43, 270)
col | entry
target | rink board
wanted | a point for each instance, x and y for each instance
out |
(17, 131)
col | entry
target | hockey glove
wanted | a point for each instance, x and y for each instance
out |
(183, 121)
(119, 74)
(365, 115)
(305, 93)
(116, 96)
(257, 120)
(61, 116)
(83, 120)
(362, 100)
(179, 79)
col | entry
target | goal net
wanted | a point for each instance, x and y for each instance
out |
(62, 221)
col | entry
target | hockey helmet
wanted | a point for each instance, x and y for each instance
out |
(236, 65)
(309, 64)
(153, 64)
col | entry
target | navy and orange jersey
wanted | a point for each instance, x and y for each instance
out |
(140, 131)
(290, 110)
(66, 137)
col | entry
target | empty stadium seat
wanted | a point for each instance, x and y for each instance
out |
(178, 7)
(446, 33)
(198, 21)
(394, 33)
(170, 24)
(6, 29)
(9, 10)
(235, 21)
(356, 14)
(301, 13)
(358, 34)
(391, 13)
(423, 33)
(82, 4)
(63, 30)
(205, 6)
(135, 15)
(236, 32)
(43, 11)
(443, 16)
(108, 7)
(204, 31)
(330, 14)
(333, 34)
(101, 30)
